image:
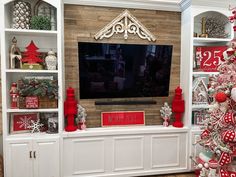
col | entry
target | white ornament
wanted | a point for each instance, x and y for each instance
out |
(82, 117)
(165, 114)
(125, 23)
(35, 126)
(51, 61)
(233, 94)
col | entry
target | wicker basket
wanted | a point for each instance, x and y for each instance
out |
(44, 102)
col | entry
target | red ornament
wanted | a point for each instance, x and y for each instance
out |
(220, 97)
(14, 96)
(70, 110)
(224, 159)
(31, 55)
(229, 136)
(178, 107)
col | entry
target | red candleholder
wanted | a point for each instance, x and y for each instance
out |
(70, 110)
(178, 107)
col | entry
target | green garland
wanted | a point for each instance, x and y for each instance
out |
(38, 87)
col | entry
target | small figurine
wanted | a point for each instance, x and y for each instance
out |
(178, 107)
(51, 60)
(14, 96)
(82, 117)
(165, 114)
(70, 110)
(15, 55)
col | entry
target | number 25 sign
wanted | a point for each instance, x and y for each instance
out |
(210, 57)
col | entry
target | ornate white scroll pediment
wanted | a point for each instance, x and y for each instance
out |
(125, 23)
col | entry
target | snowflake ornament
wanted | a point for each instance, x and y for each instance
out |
(24, 122)
(35, 126)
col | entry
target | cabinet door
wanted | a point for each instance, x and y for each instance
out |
(46, 158)
(19, 161)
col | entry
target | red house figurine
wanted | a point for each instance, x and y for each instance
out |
(178, 107)
(70, 110)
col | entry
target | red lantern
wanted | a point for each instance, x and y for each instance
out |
(70, 110)
(178, 107)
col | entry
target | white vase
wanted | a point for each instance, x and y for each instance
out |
(51, 61)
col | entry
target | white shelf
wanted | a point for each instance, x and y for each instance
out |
(200, 106)
(32, 110)
(30, 71)
(30, 32)
(210, 40)
(101, 131)
(202, 72)
(30, 135)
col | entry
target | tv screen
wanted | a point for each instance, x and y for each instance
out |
(124, 70)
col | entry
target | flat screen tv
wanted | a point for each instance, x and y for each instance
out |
(124, 70)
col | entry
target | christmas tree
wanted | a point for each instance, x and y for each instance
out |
(219, 135)
(31, 55)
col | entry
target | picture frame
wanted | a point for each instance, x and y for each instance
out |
(50, 121)
(19, 122)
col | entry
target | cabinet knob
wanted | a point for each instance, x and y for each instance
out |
(30, 154)
(35, 154)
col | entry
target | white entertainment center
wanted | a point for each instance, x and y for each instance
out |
(101, 152)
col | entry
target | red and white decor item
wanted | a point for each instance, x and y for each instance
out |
(14, 96)
(209, 57)
(165, 114)
(20, 122)
(219, 135)
(31, 102)
(122, 118)
(81, 117)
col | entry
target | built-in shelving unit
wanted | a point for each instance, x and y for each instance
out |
(24, 145)
(193, 19)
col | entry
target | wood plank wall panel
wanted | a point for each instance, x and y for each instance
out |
(83, 22)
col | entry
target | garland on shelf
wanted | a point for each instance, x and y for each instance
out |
(38, 87)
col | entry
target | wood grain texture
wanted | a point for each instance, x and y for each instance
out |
(83, 22)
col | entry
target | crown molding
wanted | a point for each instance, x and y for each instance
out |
(184, 4)
(166, 5)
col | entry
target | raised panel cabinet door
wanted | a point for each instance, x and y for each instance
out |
(46, 158)
(19, 161)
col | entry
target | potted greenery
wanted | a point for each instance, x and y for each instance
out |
(40, 23)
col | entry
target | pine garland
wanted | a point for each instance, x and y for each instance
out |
(38, 87)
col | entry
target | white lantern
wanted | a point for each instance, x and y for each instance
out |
(51, 61)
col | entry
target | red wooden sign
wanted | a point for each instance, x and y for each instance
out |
(210, 57)
(121, 118)
(21, 121)
(32, 102)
